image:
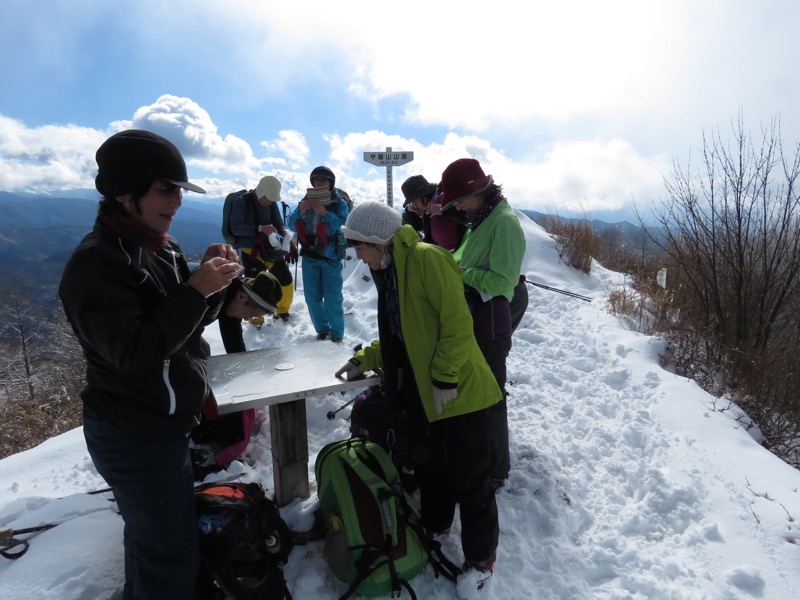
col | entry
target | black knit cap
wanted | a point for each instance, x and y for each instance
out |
(131, 158)
(415, 187)
(322, 171)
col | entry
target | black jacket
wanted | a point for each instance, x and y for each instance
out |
(140, 326)
(230, 328)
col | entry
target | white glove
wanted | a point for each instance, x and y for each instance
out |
(288, 236)
(349, 370)
(442, 396)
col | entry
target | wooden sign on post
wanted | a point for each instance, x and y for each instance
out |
(388, 159)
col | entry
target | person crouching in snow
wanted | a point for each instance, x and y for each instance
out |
(425, 333)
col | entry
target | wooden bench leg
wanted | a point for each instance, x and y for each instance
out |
(288, 426)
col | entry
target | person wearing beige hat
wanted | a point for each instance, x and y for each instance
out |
(264, 240)
(433, 369)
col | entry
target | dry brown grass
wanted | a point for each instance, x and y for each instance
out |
(27, 424)
(576, 242)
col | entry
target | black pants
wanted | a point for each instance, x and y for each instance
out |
(455, 470)
(153, 486)
(496, 352)
(519, 304)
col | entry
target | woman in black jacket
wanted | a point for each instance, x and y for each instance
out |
(139, 313)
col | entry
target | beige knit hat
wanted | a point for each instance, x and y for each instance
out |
(373, 223)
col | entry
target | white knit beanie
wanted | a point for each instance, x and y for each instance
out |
(373, 223)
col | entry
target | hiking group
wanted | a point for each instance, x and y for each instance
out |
(446, 273)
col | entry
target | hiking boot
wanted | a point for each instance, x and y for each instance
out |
(475, 574)
(336, 339)
(283, 316)
(323, 335)
(257, 321)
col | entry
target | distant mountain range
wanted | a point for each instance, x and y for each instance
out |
(38, 233)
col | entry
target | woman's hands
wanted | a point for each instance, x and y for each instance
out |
(220, 266)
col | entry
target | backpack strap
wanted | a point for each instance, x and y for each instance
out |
(441, 564)
(436, 557)
(368, 563)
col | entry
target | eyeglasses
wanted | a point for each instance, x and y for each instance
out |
(354, 243)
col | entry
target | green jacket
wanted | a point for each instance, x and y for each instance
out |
(491, 256)
(437, 329)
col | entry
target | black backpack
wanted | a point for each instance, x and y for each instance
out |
(244, 542)
(227, 207)
(372, 418)
(346, 197)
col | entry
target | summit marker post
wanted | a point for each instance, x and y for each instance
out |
(390, 158)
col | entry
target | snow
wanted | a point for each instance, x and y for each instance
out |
(627, 481)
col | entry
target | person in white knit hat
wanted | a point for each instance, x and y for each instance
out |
(434, 370)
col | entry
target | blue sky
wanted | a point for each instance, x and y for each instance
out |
(576, 106)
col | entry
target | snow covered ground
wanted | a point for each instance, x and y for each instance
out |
(626, 482)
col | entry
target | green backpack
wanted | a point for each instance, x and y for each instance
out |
(374, 540)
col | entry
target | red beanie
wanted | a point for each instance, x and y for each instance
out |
(461, 178)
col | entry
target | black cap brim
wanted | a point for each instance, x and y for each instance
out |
(187, 185)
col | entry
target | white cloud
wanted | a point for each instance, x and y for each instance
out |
(292, 147)
(48, 158)
(581, 102)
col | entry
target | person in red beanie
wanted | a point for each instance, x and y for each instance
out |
(138, 312)
(490, 260)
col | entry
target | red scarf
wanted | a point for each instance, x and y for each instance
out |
(134, 231)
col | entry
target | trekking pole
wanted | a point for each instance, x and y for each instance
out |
(12, 547)
(552, 289)
(296, 260)
(332, 413)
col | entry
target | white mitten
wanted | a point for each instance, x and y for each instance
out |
(349, 370)
(442, 396)
(288, 236)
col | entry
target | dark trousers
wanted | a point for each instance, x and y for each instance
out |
(518, 304)
(456, 471)
(153, 486)
(496, 352)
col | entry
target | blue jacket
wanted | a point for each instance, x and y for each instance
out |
(333, 220)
